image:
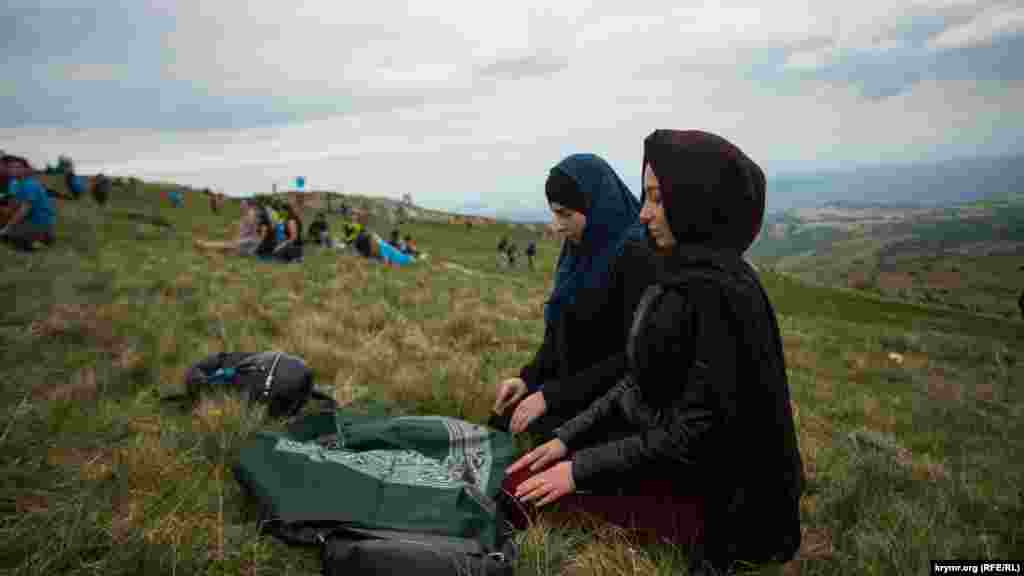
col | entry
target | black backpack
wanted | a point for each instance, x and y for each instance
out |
(281, 381)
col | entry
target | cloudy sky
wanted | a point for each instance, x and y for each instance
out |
(472, 102)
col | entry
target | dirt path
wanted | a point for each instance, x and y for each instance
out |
(461, 268)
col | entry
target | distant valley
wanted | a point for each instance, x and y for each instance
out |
(967, 255)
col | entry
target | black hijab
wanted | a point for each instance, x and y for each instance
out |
(714, 194)
(714, 198)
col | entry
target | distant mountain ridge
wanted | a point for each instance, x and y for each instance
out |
(855, 205)
(902, 185)
(519, 215)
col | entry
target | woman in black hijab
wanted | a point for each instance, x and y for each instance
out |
(699, 437)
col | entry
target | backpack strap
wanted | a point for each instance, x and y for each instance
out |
(270, 375)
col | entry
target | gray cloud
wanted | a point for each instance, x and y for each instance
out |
(904, 58)
(989, 22)
(534, 65)
(111, 66)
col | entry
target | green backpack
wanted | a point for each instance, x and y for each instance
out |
(384, 495)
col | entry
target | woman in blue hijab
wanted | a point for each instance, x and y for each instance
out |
(604, 259)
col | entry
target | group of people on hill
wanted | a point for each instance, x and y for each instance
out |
(404, 245)
(370, 245)
(508, 252)
(676, 419)
(28, 211)
(273, 231)
(28, 214)
(267, 231)
(357, 239)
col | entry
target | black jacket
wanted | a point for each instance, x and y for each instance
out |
(583, 355)
(707, 401)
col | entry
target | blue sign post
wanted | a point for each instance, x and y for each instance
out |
(300, 182)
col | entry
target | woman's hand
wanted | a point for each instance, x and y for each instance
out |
(509, 392)
(548, 486)
(531, 408)
(548, 452)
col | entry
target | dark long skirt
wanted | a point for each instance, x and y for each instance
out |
(652, 508)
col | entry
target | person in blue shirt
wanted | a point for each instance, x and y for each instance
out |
(281, 235)
(36, 214)
(373, 247)
(8, 206)
(392, 255)
(74, 183)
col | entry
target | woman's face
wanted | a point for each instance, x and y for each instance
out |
(652, 214)
(568, 223)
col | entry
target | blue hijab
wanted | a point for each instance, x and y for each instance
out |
(612, 220)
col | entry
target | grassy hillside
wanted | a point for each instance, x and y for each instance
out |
(908, 460)
(967, 256)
